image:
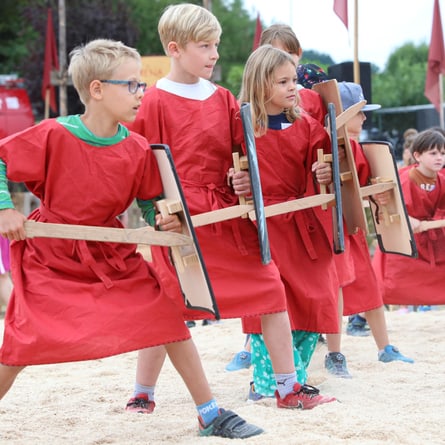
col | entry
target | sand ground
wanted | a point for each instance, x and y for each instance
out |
(394, 403)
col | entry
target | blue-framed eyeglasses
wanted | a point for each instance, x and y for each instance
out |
(133, 85)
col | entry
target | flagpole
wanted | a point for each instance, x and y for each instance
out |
(441, 100)
(63, 74)
(356, 59)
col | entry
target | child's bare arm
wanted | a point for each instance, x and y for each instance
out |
(12, 224)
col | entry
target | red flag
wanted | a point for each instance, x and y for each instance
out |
(341, 9)
(258, 31)
(436, 60)
(51, 62)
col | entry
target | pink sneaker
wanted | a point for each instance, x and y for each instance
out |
(303, 397)
(140, 404)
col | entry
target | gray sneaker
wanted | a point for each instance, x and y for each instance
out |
(335, 363)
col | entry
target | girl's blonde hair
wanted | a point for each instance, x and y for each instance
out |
(186, 23)
(97, 60)
(258, 79)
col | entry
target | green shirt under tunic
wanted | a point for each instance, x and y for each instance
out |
(75, 125)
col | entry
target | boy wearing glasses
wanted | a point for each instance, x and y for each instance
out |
(78, 300)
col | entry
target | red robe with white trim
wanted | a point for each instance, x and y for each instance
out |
(299, 244)
(201, 135)
(82, 300)
(417, 281)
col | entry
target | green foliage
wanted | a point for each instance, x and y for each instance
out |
(15, 32)
(23, 24)
(403, 80)
(234, 78)
(320, 59)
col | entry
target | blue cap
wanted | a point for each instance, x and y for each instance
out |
(352, 93)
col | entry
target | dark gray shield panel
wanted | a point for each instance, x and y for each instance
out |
(255, 183)
(337, 217)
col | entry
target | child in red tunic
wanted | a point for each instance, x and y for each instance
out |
(362, 294)
(79, 300)
(200, 122)
(419, 281)
(287, 143)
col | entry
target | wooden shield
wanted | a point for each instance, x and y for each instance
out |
(393, 230)
(353, 210)
(188, 260)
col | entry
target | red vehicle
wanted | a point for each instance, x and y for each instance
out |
(15, 107)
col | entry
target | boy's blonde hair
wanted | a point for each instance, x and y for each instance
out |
(186, 23)
(284, 34)
(258, 79)
(97, 60)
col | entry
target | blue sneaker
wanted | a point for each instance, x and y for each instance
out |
(253, 396)
(241, 360)
(391, 353)
(335, 364)
(357, 326)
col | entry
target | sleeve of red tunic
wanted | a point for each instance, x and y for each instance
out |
(363, 170)
(151, 184)
(312, 103)
(24, 153)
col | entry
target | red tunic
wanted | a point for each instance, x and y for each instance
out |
(299, 244)
(363, 294)
(201, 134)
(419, 281)
(78, 300)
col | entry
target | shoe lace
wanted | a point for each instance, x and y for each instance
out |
(309, 391)
(139, 403)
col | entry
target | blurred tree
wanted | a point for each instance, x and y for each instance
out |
(402, 82)
(23, 24)
(14, 35)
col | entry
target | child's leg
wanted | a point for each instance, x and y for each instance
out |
(5, 288)
(149, 365)
(277, 336)
(377, 323)
(186, 360)
(213, 421)
(334, 340)
(278, 339)
(387, 352)
(304, 344)
(8, 375)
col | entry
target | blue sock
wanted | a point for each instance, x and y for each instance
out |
(141, 389)
(208, 411)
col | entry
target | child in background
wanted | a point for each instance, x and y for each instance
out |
(282, 36)
(286, 144)
(419, 281)
(363, 294)
(200, 121)
(80, 300)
